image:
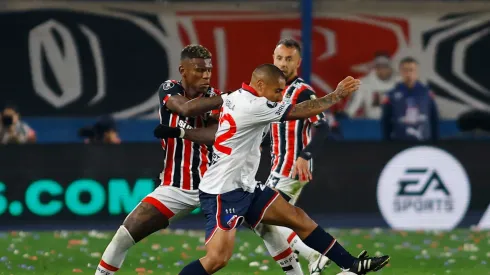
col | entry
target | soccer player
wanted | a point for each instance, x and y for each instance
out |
(292, 149)
(229, 194)
(185, 161)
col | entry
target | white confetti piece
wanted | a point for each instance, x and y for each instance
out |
(264, 267)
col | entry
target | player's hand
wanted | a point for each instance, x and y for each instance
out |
(347, 86)
(163, 131)
(302, 169)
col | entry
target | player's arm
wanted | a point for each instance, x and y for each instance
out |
(202, 135)
(313, 107)
(198, 135)
(320, 128)
(195, 107)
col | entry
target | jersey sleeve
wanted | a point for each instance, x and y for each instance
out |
(166, 90)
(306, 95)
(216, 92)
(267, 111)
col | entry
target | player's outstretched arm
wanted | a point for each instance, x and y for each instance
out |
(313, 107)
(199, 135)
(202, 135)
(195, 107)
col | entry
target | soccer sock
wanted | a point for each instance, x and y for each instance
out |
(288, 262)
(298, 245)
(115, 253)
(324, 243)
(194, 268)
(279, 249)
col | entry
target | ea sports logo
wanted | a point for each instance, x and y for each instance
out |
(423, 188)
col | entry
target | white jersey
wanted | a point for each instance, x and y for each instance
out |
(243, 119)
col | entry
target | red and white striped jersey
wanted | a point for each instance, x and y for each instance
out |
(289, 138)
(185, 161)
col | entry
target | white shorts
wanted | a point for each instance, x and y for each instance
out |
(173, 202)
(288, 186)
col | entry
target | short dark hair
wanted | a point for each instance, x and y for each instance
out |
(194, 51)
(269, 72)
(290, 43)
(408, 59)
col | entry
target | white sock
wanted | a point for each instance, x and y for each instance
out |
(115, 253)
(279, 249)
(298, 245)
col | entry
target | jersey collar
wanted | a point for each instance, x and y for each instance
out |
(249, 89)
(292, 80)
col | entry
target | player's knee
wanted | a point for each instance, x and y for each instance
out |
(302, 222)
(144, 220)
(218, 259)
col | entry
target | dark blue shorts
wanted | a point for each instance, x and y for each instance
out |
(229, 210)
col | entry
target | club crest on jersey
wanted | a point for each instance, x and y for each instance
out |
(271, 104)
(167, 85)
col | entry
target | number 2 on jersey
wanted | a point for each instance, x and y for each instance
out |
(226, 135)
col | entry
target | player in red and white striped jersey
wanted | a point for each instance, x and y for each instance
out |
(185, 162)
(292, 145)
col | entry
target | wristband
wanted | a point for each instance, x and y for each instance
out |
(306, 155)
(182, 133)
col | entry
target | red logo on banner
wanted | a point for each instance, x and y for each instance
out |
(340, 45)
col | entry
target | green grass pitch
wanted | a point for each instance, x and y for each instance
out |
(71, 252)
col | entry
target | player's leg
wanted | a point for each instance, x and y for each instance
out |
(152, 214)
(277, 211)
(219, 249)
(279, 248)
(223, 214)
(291, 190)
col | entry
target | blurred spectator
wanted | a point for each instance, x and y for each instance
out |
(366, 103)
(409, 110)
(103, 131)
(13, 130)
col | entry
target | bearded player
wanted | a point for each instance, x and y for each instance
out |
(230, 195)
(293, 147)
(185, 162)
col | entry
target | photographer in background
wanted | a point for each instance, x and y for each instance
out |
(104, 131)
(13, 130)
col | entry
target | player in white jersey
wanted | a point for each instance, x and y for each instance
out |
(229, 195)
(291, 150)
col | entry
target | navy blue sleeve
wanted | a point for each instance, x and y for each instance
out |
(434, 120)
(319, 137)
(386, 124)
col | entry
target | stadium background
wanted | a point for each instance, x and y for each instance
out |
(66, 63)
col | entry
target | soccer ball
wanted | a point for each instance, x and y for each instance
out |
(346, 273)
